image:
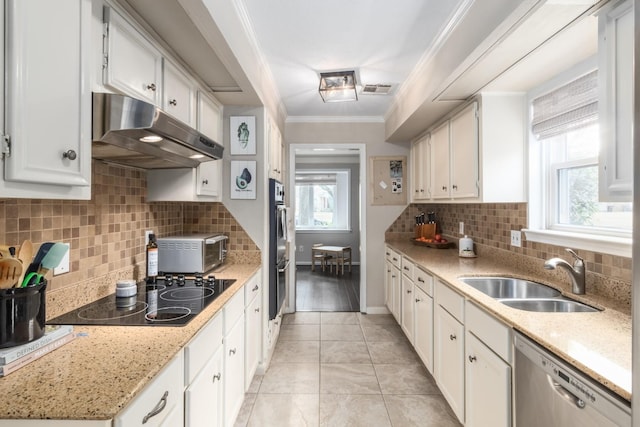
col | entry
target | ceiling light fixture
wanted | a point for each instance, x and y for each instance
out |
(338, 86)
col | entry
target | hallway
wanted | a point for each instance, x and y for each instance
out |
(344, 369)
(326, 291)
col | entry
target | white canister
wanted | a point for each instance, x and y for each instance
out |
(465, 247)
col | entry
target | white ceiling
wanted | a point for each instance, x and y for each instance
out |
(381, 41)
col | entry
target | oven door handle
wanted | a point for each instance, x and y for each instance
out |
(283, 269)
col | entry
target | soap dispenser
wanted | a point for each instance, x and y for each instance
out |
(465, 247)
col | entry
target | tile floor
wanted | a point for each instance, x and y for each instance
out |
(344, 369)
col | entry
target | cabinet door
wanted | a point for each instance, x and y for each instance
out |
(275, 151)
(234, 372)
(203, 398)
(440, 162)
(209, 117)
(420, 162)
(48, 98)
(253, 338)
(449, 359)
(488, 386)
(178, 94)
(133, 65)
(396, 290)
(464, 153)
(408, 304)
(388, 288)
(423, 328)
(209, 179)
(615, 104)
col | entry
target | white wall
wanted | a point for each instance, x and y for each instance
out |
(378, 218)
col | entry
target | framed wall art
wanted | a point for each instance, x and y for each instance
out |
(243, 135)
(243, 179)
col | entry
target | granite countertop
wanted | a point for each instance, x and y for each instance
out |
(597, 343)
(97, 374)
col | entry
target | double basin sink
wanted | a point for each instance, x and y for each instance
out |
(526, 295)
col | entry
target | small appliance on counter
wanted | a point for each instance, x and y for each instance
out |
(192, 253)
(465, 247)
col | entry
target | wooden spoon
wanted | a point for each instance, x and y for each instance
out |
(25, 255)
(10, 272)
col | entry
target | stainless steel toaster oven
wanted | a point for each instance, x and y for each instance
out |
(193, 253)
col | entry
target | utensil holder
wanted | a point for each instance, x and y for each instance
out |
(22, 314)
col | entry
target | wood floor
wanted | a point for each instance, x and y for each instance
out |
(318, 291)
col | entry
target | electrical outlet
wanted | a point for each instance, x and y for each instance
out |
(301, 248)
(63, 267)
(461, 227)
(146, 236)
(516, 238)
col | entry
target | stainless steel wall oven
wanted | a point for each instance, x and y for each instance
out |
(278, 262)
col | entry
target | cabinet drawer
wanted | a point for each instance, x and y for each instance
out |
(450, 300)
(233, 309)
(495, 334)
(408, 267)
(251, 288)
(393, 257)
(160, 396)
(423, 280)
(202, 347)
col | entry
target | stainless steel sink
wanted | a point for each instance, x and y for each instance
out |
(551, 305)
(508, 287)
(526, 295)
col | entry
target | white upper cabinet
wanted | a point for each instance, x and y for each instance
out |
(47, 103)
(615, 74)
(209, 117)
(178, 94)
(420, 160)
(276, 151)
(132, 65)
(477, 153)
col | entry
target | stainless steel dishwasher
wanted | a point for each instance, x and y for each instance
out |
(550, 393)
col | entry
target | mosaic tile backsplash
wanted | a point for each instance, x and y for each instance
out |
(490, 225)
(106, 233)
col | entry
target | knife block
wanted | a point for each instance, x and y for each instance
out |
(428, 231)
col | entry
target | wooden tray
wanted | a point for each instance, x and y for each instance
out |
(434, 244)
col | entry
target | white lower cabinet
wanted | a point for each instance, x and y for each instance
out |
(449, 359)
(253, 327)
(233, 358)
(408, 307)
(423, 333)
(204, 397)
(161, 401)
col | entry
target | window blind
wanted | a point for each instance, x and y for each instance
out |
(566, 108)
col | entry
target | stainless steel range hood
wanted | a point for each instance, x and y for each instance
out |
(131, 132)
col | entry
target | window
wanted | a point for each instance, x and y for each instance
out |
(565, 147)
(322, 200)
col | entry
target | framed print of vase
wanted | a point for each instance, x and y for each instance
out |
(243, 135)
(243, 179)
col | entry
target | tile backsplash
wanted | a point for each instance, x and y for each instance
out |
(106, 233)
(490, 226)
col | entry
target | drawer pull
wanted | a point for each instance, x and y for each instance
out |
(395, 259)
(257, 310)
(418, 300)
(452, 337)
(408, 291)
(151, 87)
(173, 102)
(406, 268)
(472, 359)
(255, 288)
(205, 182)
(232, 351)
(217, 377)
(159, 408)
(420, 279)
(69, 154)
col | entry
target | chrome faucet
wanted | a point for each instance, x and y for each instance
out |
(577, 272)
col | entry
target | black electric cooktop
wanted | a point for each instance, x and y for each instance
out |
(174, 300)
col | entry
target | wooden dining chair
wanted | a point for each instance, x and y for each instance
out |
(322, 257)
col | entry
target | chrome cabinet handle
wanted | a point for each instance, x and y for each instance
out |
(472, 359)
(418, 300)
(173, 102)
(406, 268)
(255, 288)
(257, 310)
(444, 188)
(420, 279)
(452, 337)
(69, 154)
(205, 182)
(216, 377)
(232, 351)
(408, 291)
(422, 191)
(455, 187)
(158, 408)
(151, 87)
(395, 259)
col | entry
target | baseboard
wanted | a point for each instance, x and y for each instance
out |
(378, 310)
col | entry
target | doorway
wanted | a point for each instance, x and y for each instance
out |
(328, 174)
